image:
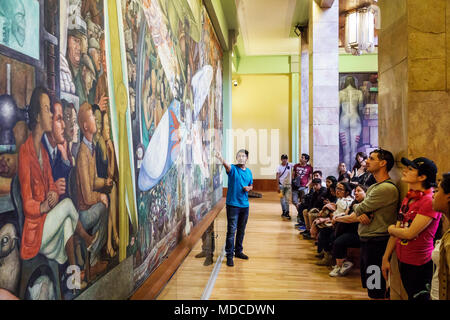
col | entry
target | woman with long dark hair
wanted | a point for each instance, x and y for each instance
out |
(359, 174)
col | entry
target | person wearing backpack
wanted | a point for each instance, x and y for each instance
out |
(301, 179)
(283, 178)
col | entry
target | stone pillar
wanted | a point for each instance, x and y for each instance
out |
(324, 87)
(295, 108)
(304, 97)
(414, 67)
(227, 152)
(414, 84)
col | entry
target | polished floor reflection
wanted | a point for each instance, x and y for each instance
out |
(281, 265)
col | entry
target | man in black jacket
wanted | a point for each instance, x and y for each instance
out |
(316, 202)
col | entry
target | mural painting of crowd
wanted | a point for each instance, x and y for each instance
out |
(59, 168)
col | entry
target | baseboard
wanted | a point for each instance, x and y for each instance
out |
(265, 185)
(158, 279)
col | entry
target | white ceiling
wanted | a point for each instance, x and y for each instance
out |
(265, 26)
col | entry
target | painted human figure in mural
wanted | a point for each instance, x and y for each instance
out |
(107, 168)
(53, 143)
(49, 223)
(74, 40)
(351, 105)
(71, 130)
(93, 205)
(87, 80)
(14, 26)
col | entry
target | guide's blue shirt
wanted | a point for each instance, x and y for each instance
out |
(237, 180)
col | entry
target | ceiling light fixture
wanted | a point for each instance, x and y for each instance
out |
(360, 27)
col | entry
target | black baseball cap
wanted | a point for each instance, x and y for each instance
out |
(284, 156)
(425, 166)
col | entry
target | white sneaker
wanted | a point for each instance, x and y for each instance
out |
(346, 266)
(335, 272)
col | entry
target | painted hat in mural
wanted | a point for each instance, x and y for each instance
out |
(77, 26)
(93, 43)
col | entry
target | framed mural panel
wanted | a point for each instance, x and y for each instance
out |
(175, 93)
(358, 115)
(59, 177)
(59, 180)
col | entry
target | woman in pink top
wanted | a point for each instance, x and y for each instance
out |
(412, 236)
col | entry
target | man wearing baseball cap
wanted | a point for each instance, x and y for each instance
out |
(413, 234)
(283, 177)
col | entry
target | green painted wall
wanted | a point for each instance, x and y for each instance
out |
(362, 63)
(263, 65)
(280, 64)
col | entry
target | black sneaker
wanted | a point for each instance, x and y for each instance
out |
(241, 255)
(202, 254)
(306, 236)
(288, 216)
(230, 262)
(208, 261)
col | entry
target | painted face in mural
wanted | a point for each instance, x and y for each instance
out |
(90, 123)
(58, 124)
(88, 79)
(74, 50)
(45, 117)
(14, 13)
(96, 58)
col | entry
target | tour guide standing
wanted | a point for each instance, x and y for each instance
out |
(240, 182)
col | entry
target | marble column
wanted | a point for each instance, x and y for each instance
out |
(324, 87)
(414, 67)
(295, 108)
(227, 152)
(304, 97)
(414, 84)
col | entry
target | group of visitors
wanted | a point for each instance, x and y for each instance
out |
(362, 209)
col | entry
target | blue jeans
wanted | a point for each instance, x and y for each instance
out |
(237, 220)
(285, 191)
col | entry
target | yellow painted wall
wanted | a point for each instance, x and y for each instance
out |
(260, 105)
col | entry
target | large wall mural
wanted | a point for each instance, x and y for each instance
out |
(358, 116)
(59, 173)
(175, 93)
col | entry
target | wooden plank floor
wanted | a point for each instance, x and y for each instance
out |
(281, 266)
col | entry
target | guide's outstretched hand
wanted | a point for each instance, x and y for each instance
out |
(226, 165)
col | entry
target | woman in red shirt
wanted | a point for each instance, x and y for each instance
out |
(49, 223)
(417, 222)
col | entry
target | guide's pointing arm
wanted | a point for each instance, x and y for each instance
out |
(224, 163)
